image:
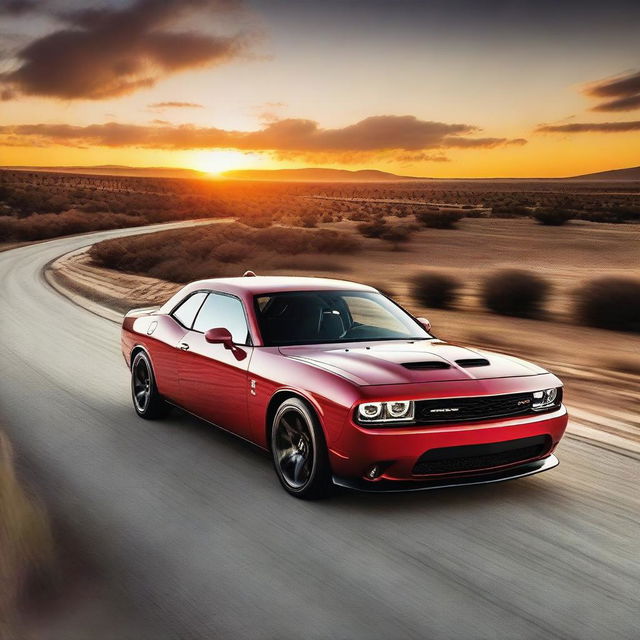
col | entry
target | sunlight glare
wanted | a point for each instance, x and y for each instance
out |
(219, 161)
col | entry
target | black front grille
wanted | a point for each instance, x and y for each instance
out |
(481, 456)
(475, 408)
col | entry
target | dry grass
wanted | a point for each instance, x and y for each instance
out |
(26, 543)
(183, 255)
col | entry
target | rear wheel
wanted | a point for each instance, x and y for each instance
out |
(147, 402)
(299, 451)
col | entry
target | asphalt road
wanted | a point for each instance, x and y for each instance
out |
(194, 525)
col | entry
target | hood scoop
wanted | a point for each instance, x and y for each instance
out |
(467, 363)
(428, 365)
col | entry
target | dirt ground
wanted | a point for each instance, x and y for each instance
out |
(600, 368)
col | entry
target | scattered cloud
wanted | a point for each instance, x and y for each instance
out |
(106, 52)
(584, 127)
(16, 7)
(288, 137)
(268, 111)
(178, 105)
(420, 157)
(487, 143)
(630, 103)
(623, 93)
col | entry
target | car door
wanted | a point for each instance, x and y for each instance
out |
(166, 336)
(214, 379)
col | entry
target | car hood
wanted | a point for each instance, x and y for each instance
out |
(406, 362)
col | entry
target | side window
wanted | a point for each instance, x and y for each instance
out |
(220, 310)
(186, 312)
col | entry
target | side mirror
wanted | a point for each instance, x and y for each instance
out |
(426, 325)
(219, 335)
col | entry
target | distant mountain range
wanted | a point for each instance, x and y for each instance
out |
(314, 174)
(371, 175)
(632, 173)
(317, 175)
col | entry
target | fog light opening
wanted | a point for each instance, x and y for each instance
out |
(374, 471)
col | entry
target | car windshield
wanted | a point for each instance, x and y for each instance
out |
(317, 317)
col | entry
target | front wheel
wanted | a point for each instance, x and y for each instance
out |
(299, 451)
(147, 402)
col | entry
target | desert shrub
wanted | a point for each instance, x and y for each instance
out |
(609, 303)
(308, 220)
(330, 241)
(373, 229)
(51, 225)
(552, 217)
(439, 219)
(509, 211)
(307, 262)
(615, 215)
(232, 251)
(436, 290)
(397, 235)
(515, 293)
(358, 216)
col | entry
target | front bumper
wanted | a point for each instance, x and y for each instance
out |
(399, 449)
(390, 486)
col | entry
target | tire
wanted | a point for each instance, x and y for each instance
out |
(299, 451)
(147, 402)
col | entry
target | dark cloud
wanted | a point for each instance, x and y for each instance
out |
(107, 52)
(487, 143)
(584, 127)
(171, 105)
(624, 91)
(626, 85)
(630, 103)
(16, 7)
(293, 136)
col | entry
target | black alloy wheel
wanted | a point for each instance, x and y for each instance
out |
(147, 402)
(299, 451)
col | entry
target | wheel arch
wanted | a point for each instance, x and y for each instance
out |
(278, 398)
(137, 349)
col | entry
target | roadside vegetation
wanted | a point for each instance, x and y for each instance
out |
(515, 292)
(435, 290)
(221, 250)
(39, 205)
(609, 303)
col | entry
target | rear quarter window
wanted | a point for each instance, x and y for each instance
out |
(186, 311)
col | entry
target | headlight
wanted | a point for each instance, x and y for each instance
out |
(396, 411)
(546, 399)
(370, 411)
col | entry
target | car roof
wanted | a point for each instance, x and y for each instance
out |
(273, 284)
(248, 286)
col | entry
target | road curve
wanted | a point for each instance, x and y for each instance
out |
(194, 525)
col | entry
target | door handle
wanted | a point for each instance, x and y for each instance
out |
(184, 346)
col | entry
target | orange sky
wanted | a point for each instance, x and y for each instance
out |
(444, 90)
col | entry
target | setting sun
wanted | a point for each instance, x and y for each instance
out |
(217, 162)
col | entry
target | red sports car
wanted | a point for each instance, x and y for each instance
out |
(342, 386)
